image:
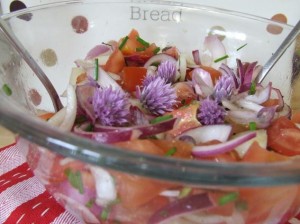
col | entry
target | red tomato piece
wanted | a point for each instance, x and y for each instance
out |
(115, 62)
(132, 77)
(284, 137)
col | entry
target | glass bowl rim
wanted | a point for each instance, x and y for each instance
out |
(168, 169)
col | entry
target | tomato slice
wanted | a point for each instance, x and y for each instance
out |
(115, 62)
(284, 137)
(132, 77)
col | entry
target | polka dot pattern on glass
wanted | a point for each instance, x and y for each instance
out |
(18, 5)
(80, 24)
(276, 29)
(48, 57)
(34, 97)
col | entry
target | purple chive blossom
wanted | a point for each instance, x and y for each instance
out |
(167, 70)
(210, 112)
(149, 78)
(224, 87)
(92, 82)
(157, 96)
(111, 107)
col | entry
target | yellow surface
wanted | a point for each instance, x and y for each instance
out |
(6, 137)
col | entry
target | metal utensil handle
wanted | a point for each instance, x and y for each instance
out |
(32, 64)
(279, 52)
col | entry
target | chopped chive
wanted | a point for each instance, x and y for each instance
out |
(171, 151)
(143, 42)
(185, 192)
(252, 89)
(96, 69)
(139, 49)
(161, 119)
(7, 90)
(252, 126)
(104, 214)
(123, 42)
(241, 47)
(156, 50)
(156, 64)
(221, 58)
(90, 203)
(227, 198)
(75, 179)
(89, 128)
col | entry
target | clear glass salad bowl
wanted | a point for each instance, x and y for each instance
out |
(128, 181)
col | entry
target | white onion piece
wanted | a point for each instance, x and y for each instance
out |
(229, 105)
(261, 95)
(182, 67)
(71, 110)
(285, 111)
(58, 117)
(159, 58)
(261, 139)
(214, 46)
(202, 81)
(249, 105)
(74, 75)
(211, 150)
(220, 132)
(85, 64)
(105, 187)
(170, 193)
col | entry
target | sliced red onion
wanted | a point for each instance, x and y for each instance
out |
(246, 104)
(245, 72)
(225, 70)
(265, 116)
(261, 139)
(180, 207)
(98, 50)
(71, 110)
(105, 186)
(220, 132)
(188, 139)
(159, 58)
(202, 82)
(261, 95)
(84, 94)
(211, 150)
(107, 136)
(196, 57)
(280, 99)
(213, 49)
(138, 117)
(145, 130)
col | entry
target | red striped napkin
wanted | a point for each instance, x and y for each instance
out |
(23, 199)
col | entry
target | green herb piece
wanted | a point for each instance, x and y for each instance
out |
(185, 192)
(221, 58)
(252, 126)
(241, 47)
(90, 203)
(252, 89)
(241, 205)
(80, 119)
(7, 90)
(104, 214)
(75, 179)
(139, 49)
(143, 42)
(96, 69)
(227, 198)
(156, 50)
(171, 151)
(123, 42)
(161, 119)
(89, 128)
(156, 64)
(166, 48)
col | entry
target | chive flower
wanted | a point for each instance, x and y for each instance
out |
(210, 112)
(157, 96)
(224, 87)
(111, 107)
(167, 70)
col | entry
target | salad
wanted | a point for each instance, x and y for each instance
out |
(132, 94)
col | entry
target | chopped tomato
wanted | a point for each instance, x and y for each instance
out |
(187, 119)
(185, 94)
(132, 77)
(215, 74)
(284, 137)
(270, 103)
(46, 116)
(172, 51)
(115, 62)
(256, 154)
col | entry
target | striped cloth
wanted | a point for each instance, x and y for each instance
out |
(23, 198)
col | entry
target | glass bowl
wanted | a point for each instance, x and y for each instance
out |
(103, 182)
